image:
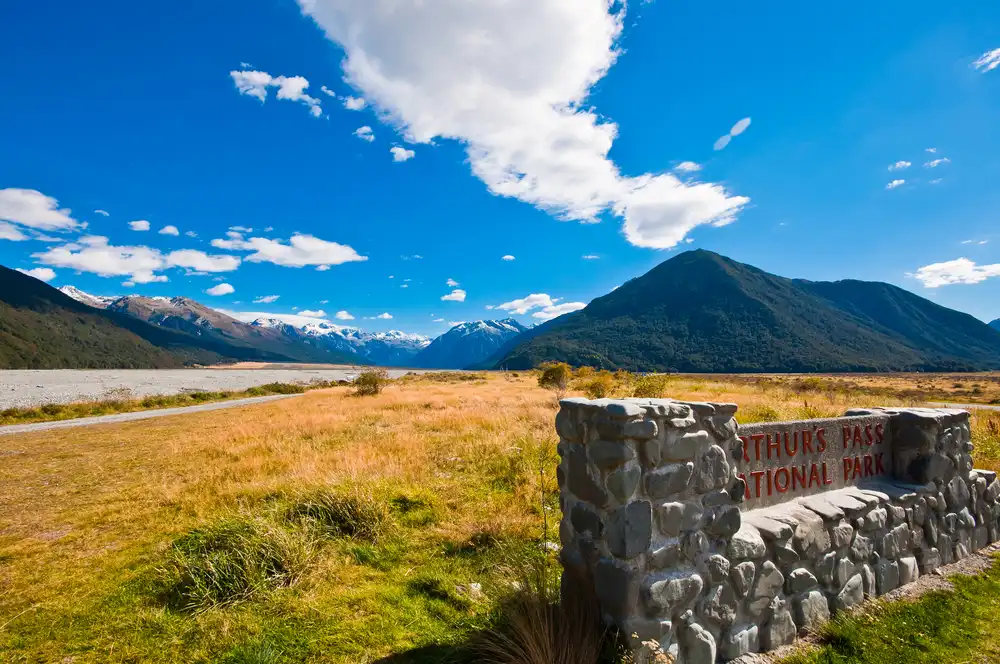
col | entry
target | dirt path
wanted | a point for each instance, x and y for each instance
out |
(138, 415)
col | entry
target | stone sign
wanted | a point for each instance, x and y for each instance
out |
(784, 460)
(707, 540)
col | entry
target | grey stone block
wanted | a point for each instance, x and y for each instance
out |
(719, 604)
(616, 587)
(746, 544)
(800, 580)
(678, 446)
(610, 454)
(742, 576)
(851, 594)
(718, 569)
(713, 470)
(740, 641)
(868, 578)
(780, 630)
(908, 570)
(723, 521)
(841, 535)
(886, 576)
(623, 482)
(673, 518)
(811, 610)
(672, 593)
(585, 519)
(669, 480)
(629, 529)
(697, 645)
(769, 584)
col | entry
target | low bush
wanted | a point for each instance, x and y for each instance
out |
(555, 376)
(650, 387)
(599, 386)
(233, 561)
(371, 382)
(758, 413)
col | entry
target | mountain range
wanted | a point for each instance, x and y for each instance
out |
(702, 312)
(697, 312)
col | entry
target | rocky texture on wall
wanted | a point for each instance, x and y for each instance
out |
(652, 516)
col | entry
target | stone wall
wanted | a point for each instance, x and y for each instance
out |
(652, 519)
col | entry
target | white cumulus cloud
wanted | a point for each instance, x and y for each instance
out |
(139, 225)
(199, 261)
(457, 295)
(895, 183)
(958, 271)
(40, 273)
(934, 163)
(688, 167)
(10, 232)
(266, 299)
(401, 154)
(988, 61)
(298, 251)
(526, 304)
(899, 165)
(344, 315)
(548, 313)
(384, 316)
(221, 289)
(451, 283)
(365, 133)
(319, 313)
(33, 209)
(292, 88)
(509, 80)
(354, 103)
(169, 230)
(508, 257)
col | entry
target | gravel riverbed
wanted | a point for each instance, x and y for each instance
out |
(26, 388)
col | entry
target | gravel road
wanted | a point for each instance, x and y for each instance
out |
(25, 388)
(139, 415)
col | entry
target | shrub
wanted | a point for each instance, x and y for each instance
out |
(585, 372)
(650, 387)
(357, 515)
(371, 382)
(599, 387)
(233, 561)
(283, 388)
(761, 413)
(555, 376)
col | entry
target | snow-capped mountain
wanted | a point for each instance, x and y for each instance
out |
(96, 301)
(468, 344)
(392, 348)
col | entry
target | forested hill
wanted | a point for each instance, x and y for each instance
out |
(703, 312)
(41, 328)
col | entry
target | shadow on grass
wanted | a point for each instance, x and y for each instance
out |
(433, 654)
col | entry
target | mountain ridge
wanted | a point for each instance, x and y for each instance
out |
(467, 344)
(700, 311)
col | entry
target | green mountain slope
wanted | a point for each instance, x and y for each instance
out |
(703, 312)
(41, 328)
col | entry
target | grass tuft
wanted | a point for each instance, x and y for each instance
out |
(233, 561)
(356, 514)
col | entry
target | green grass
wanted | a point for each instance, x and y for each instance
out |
(122, 401)
(949, 626)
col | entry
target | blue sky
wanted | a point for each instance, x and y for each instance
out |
(543, 130)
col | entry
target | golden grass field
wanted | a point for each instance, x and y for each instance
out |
(462, 467)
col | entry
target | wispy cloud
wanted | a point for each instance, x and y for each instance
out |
(899, 165)
(687, 167)
(988, 61)
(292, 88)
(895, 183)
(934, 163)
(736, 130)
(266, 299)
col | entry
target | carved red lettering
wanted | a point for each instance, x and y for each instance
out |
(813, 475)
(793, 450)
(757, 438)
(879, 433)
(782, 472)
(774, 443)
(770, 487)
(746, 449)
(756, 475)
(847, 435)
(869, 470)
(826, 478)
(798, 477)
(847, 468)
(821, 436)
(856, 468)
(879, 468)
(807, 442)
(857, 435)
(869, 438)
